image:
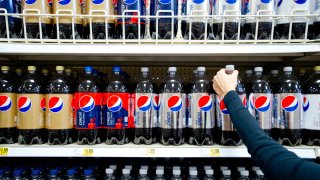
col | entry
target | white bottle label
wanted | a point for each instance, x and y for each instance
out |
(311, 112)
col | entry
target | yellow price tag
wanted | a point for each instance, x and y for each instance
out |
(87, 152)
(215, 152)
(150, 151)
(4, 151)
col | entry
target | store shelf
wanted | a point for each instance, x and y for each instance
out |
(131, 150)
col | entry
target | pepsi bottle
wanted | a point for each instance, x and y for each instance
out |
(311, 118)
(226, 132)
(201, 111)
(167, 26)
(8, 104)
(172, 110)
(289, 117)
(31, 109)
(116, 102)
(144, 113)
(260, 100)
(88, 121)
(59, 115)
(316, 24)
(14, 23)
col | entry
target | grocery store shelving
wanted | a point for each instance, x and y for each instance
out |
(131, 150)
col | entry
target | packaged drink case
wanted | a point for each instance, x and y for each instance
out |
(116, 109)
(145, 116)
(317, 20)
(231, 24)
(202, 122)
(101, 26)
(198, 27)
(128, 27)
(298, 23)
(287, 126)
(59, 115)
(172, 110)
(264, 28)
(31, 109)
(8, 110)
(226, 132)
(164, 27)
(88, 119)
(37, 28)
(64, 26)
(14, 23)
(311, 118)
(261, 100)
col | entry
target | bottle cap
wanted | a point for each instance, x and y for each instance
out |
(126, 171)
(59, 68)
(207, 167)
(143, 171)
(71, 172)
(159, 171)
(255, 168)
(44, 71)
(226, 172)
(144, 69)
(229, 67)
(172, 69)
(202, 69)
(113, 166)
(87, 172)
(195, 71)
(68, 71)
(109, 171)
(17, 172)
(176, 167)
(244, 173)
(317, 68)
(128, 167)
(193, 172)
(160, 167)
(248, 71)
(259, 173)
(241, 168)
(5, 68)
(224, 168)
(274, 72)
(53, 172)
(192, 168)
(32, 68)
(88, 69)
(18, 71)
(287, 69)
(116, 68)
(36, 172)
(258, 69)
(302, 71)
(176, 171)
(209, 171)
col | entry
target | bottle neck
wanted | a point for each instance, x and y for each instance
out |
(287, 73)
(31, 72)
(258, 73)
(172, 74)
(60, 72)
(201, 74)
(144, 74)
(5, 72)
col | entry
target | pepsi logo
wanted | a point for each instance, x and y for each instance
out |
(73, 104)
(5, 103)
(97, 1)
(231, 1)
(86, 103)
(289, 103)
(114, 103)
(43, 104)
(205, 103)
(306, 104)
(266, 1)
(64, 2)
(251, 101)
(156, 103)
(198, 1)
(49, 2)
(55, 104)
(30, 1)
(300, 1)
(144, 103)
(175, 103)
(129, 2)
(164, 1)
(262, 103)
(24, 104)
(223, 107)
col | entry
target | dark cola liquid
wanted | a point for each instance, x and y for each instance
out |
(172, 136)
(316, 27)
(65, 31)
(310, 137)
(290, 137)
(264, 30)
(32, 136)
(33, 30)
(89, 136)
(15, 30)
(57, 137)
(143, 135)
(156, 134)
(99, 31)
(201, 137)
(164, 30)
(298, 31)
(117, 136)
(8, 135)
(197, 30)
(131, 31)
(230, 138)
(230, 30)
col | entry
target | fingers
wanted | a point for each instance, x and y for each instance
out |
(235, 73)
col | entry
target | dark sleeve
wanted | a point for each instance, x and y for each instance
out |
(274, 160)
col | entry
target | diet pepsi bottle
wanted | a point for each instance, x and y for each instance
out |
(165, 24)
(289, 117)
(275, 88)
(260, 100)
(172, 110)
(87, 111)
(31, 109)
(201, 111)
(316, 24)
(227, 133)
(116, 103)
(59, 115)
(311, 118)
(144, 116)
(8, 104)
(15, 24)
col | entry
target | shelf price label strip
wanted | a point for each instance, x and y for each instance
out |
(88, 152)
(150, 152)
(4, 151)
(215, 152)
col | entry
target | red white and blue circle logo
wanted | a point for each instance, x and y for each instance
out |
(129, 2)
(73, 104)
(231, 1)
(43, 104)
(156, 103)
(262, 103)
(30, 1)
(55, 104)
(175, 103)
(244, 101)
(223, 107)
(251, 101)
(300, 1)
(50, 3)
(164, 1)
(205, 103)
(289, 103)
(114, 103)
(306, 104)
(86, 103)
(198, 1)
(97, 1)
(266, 1)
(64, 2)
(144, 103)
(5, 103)
(24, 104)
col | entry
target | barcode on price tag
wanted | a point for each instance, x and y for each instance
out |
(4, 151)
(87, 152)
(215, 152)
(150, 151)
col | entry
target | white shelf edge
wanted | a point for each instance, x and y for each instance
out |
(131, 150)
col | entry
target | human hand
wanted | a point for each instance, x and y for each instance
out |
(223, 82)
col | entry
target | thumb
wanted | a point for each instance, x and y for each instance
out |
(235, 73)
